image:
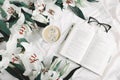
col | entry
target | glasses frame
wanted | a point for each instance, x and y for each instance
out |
(106, 26)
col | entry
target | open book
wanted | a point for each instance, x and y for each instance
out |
(89, 46)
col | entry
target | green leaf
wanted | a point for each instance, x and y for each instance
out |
(22, 4)
(39, 24)
(22, 40)
(56, 66)
(59, 3)
(6, 37)
(15, 72)
(70, 74)
(1, 2)
(54, 58)
(0, 57)
(78, 1)
(32, 7)
(4, 30)
(27, 16)
(2, 39)
(3, 13)
(13, 20)
(38, 77)
(42, 64)
(53, 64)
(64, 69)
(77, 11)
(92, 1)
(19, 4)
(18, 66)
(12, 23)
(19, 43)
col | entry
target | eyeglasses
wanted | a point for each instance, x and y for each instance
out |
(106, 26)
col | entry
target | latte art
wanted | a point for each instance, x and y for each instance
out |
(51, 33)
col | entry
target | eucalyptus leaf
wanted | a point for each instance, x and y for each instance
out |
(59, 3)
(1, 2)
(3, 13)
(77, 11)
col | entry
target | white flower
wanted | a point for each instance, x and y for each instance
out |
(39, 8)
(55, 72)
(50, 75)
(52, 11)
(21, 29)
(40, 4)
(7, 55)
(49, 9)
(38, 17)
(66, 3)
(5, 60)
(10, 9)
(31, 59)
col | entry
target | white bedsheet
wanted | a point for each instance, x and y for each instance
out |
(112, 8)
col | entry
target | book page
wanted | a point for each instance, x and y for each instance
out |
(77, 42)
(99, 52)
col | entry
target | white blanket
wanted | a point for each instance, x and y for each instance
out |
(107, 10)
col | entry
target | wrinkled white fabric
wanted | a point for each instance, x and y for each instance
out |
(108, 12)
